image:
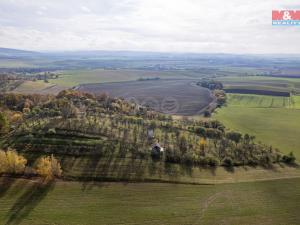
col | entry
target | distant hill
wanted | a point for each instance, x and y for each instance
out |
(9, 52)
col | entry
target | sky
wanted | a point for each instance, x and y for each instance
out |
(199, 26)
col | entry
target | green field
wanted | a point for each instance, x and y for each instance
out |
(273, 120)
(73, 78)
(267, 202)
(70, 78)
(262, 83)
(38, 87)
(105, 168)
(258, 101)
(263, 101)
(295, 102)
(15, 63)
(30, 86)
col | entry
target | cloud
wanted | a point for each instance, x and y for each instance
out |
(151, 25)
(85, 9)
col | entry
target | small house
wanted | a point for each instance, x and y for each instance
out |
(156, 148)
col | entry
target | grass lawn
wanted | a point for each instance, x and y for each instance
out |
(267, 202)
(273, 120)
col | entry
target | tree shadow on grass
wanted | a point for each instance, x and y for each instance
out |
(33, 195)
(96, 168)
(230, 169)
(186, 170)
(5, 184)
(172, 171)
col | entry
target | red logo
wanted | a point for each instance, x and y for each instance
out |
(285, 14)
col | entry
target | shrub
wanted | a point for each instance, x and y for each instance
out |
(203, 161)
(201, 131)
(172, 156)
(212, 161)
(207, 113)
(234, 136)
(228, 162)
(252, 162)
(265, 160)
(188, 158)
(48, 167)
(289, 159)
(11, 162)
(51, 131)
(3, 162)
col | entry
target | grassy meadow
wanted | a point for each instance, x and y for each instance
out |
(38, 87)
(128, 169)
(30, 86)
(268, 202)
(273, 120)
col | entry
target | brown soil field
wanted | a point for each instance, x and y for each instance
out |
(177, 97)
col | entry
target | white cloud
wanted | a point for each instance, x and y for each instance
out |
(85, 9)
(232, 26)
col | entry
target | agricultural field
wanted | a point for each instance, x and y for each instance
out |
(71, 78)
(76, 77)
(262, 83)
(181, 97)
(271, 202)
(273, 120)
(15, 63)
(263, 101)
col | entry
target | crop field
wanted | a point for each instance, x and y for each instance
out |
(73, 78)
(289, 73)
(180, 97)
(268, 202)
(263, 101)
(70, 78)
(273, 120)
(262, 83)
(259, 101)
